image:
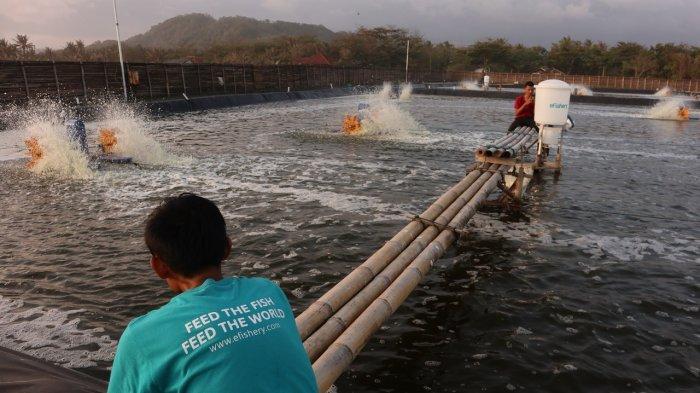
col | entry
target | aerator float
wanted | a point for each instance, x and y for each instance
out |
(75, 130)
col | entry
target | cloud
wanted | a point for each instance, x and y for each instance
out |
(39, 11)
(52, 22)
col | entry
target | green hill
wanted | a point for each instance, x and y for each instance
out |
(202, 31)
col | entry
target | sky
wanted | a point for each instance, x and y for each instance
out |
(54, 22)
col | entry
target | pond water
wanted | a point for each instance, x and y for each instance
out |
(592, 287)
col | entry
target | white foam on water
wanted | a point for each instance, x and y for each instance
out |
(62, 157)
(631, 153)
(666, 109)
(45, 121)
(631, 112)
(132, 131)
(669, 245)
(53, 335)
(580, 90)
(388, 121)
(391, 122)
(665, 91)
(406, 92)
(622, 248)
(254, 176)
(281, 109)
(12, 145)
(469, 85)
(285, 226)
(333, 164)
(337, 201)
(386, 92)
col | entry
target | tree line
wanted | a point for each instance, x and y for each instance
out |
(385, 47)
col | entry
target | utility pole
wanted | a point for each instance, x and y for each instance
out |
(408, 45)
(119, 47)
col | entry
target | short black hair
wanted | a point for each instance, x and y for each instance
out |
(188, 233)
(529, 83)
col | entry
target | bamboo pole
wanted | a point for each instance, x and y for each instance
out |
(223, 78)
(513, 146)
(55, 78)
(167, 80)
(334, 326)
(512, 150)
(506, 136)
(184, 85)
(532, 133)
(527, 132)
(491, 150)
(211, 72)
(199, 80)
(24, 77)
(148, 79)
(323, 308)
(82, 78)
(503, 150)
(481, 149)
(520, 132)
(104, 67)
(491, 147)
(331, 364)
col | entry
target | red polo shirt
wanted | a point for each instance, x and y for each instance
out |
(528, 111)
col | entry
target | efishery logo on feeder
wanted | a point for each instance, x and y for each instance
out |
(558, 106)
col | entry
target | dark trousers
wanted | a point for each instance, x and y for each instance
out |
(523, 122)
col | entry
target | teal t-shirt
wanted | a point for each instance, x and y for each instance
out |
(232, 335)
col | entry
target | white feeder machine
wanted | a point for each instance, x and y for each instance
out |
(552, 117)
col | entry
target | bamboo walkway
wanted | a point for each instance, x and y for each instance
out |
(338, 325)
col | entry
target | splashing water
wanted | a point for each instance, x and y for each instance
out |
(667, 110)
(580, 90)
(664, 92)
(40, 126)
(387, 120)
(386, 93)
(406, 91)
(130, 130)
(44, 125)
(390, 119)
(469, 85)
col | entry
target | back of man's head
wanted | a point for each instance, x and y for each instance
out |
(188, 233)
(529, 83)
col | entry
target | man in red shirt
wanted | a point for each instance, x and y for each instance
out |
(525, 108)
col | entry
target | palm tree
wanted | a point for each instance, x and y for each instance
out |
(69, 51)
(80, 47)
(48, 54)
(75, 50)
(7, 50)
(24, 47)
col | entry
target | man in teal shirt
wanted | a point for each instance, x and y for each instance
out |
(218, 334)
